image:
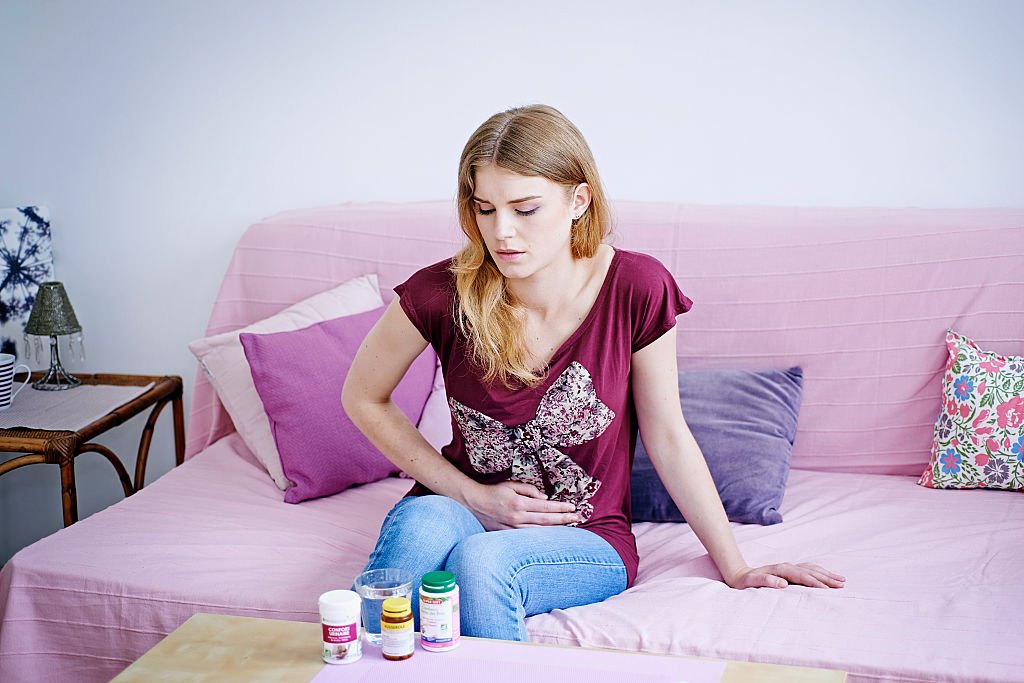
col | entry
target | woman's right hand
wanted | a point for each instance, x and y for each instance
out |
(515, 504)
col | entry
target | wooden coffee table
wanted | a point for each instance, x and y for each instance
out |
(214, 647)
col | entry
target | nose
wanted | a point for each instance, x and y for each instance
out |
(504, 225)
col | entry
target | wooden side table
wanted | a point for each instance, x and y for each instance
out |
(61, 447)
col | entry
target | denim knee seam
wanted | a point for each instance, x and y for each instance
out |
(387, 526)
(595, 563)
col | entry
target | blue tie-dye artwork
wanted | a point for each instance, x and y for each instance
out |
(26, 259)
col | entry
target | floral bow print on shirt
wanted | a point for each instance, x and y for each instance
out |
(569, 414)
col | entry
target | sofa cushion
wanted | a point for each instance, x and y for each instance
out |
(745, 422)
(979, 434)
(436, 421)
(299, 376)
(223, 361)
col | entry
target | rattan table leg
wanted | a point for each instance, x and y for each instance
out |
(69, 492)
(144, 443)
(21, 461)
(122, 473)
(177, 405)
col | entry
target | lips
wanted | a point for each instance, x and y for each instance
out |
(508, 254)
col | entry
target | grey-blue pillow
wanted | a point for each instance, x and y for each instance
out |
(745, 423)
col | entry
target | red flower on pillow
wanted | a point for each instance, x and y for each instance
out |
(993, 365)
(1010, 413)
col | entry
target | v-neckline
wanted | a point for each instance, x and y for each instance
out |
(602, 294)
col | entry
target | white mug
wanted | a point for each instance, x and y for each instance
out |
(7, 372)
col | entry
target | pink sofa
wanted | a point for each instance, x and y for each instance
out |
(860, 298)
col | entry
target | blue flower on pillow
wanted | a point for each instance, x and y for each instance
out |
(963, 387)
(1018, 448)
(950, 461)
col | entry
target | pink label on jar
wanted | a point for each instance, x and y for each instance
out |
(344, 633)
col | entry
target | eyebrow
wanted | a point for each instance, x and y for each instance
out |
(514, 201)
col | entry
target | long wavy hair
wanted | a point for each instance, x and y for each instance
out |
(536, 140)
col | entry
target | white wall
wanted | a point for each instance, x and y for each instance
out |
(157, 131)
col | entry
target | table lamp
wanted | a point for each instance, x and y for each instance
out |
(53, 316)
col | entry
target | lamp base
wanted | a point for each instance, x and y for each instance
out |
(55, 379)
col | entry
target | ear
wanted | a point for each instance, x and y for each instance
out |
(580, 199)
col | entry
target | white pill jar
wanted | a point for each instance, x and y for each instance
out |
(339, 617)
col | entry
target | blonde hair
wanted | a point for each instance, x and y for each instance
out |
(536, 140)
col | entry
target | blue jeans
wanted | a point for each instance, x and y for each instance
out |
(503, 576)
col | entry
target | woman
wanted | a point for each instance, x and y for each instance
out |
(555, 348)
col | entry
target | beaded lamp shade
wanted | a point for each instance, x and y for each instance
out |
(52, 313)
(52, 316)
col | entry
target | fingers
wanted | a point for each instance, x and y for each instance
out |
(823, 577)
(527, 506)
(524, 489)
(806, 574)
(765, 580)
(538, 501)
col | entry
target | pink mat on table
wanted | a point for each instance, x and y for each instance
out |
(498, 661)
(114, 598)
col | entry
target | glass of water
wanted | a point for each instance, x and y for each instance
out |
(374, 587)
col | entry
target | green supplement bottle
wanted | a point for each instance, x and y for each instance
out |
(439, 612)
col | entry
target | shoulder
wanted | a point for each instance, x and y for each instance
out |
(426, 297)
(436, 275)
(637, 272)
(432, 284)
(647, 294)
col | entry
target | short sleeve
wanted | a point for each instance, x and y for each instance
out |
(426, 299)
(655, 301)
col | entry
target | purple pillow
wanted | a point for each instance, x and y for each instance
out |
(299, 375)
(745, 423)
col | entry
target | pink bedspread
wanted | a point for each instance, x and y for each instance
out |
(117, 587)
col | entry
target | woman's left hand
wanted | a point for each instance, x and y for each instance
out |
(785, 573)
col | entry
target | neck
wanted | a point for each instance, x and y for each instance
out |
(545, 293)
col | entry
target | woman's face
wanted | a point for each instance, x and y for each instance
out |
(525, 220)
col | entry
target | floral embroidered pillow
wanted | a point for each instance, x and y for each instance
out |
(979, 437)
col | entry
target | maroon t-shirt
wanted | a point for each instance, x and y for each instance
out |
(573, 435)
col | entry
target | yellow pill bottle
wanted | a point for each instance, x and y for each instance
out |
(397, 638)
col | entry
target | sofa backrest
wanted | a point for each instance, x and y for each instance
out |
(860, 298)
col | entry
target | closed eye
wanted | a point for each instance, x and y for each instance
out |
(488, 212)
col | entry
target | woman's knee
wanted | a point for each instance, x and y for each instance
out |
(435, 520)
(490, 606)
(483, 560)
(483, 554)
(439, 514)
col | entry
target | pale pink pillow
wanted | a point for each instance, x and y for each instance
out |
(224, 362)
(436, 421)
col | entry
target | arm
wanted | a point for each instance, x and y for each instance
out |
(381, 362)
(681, 466)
